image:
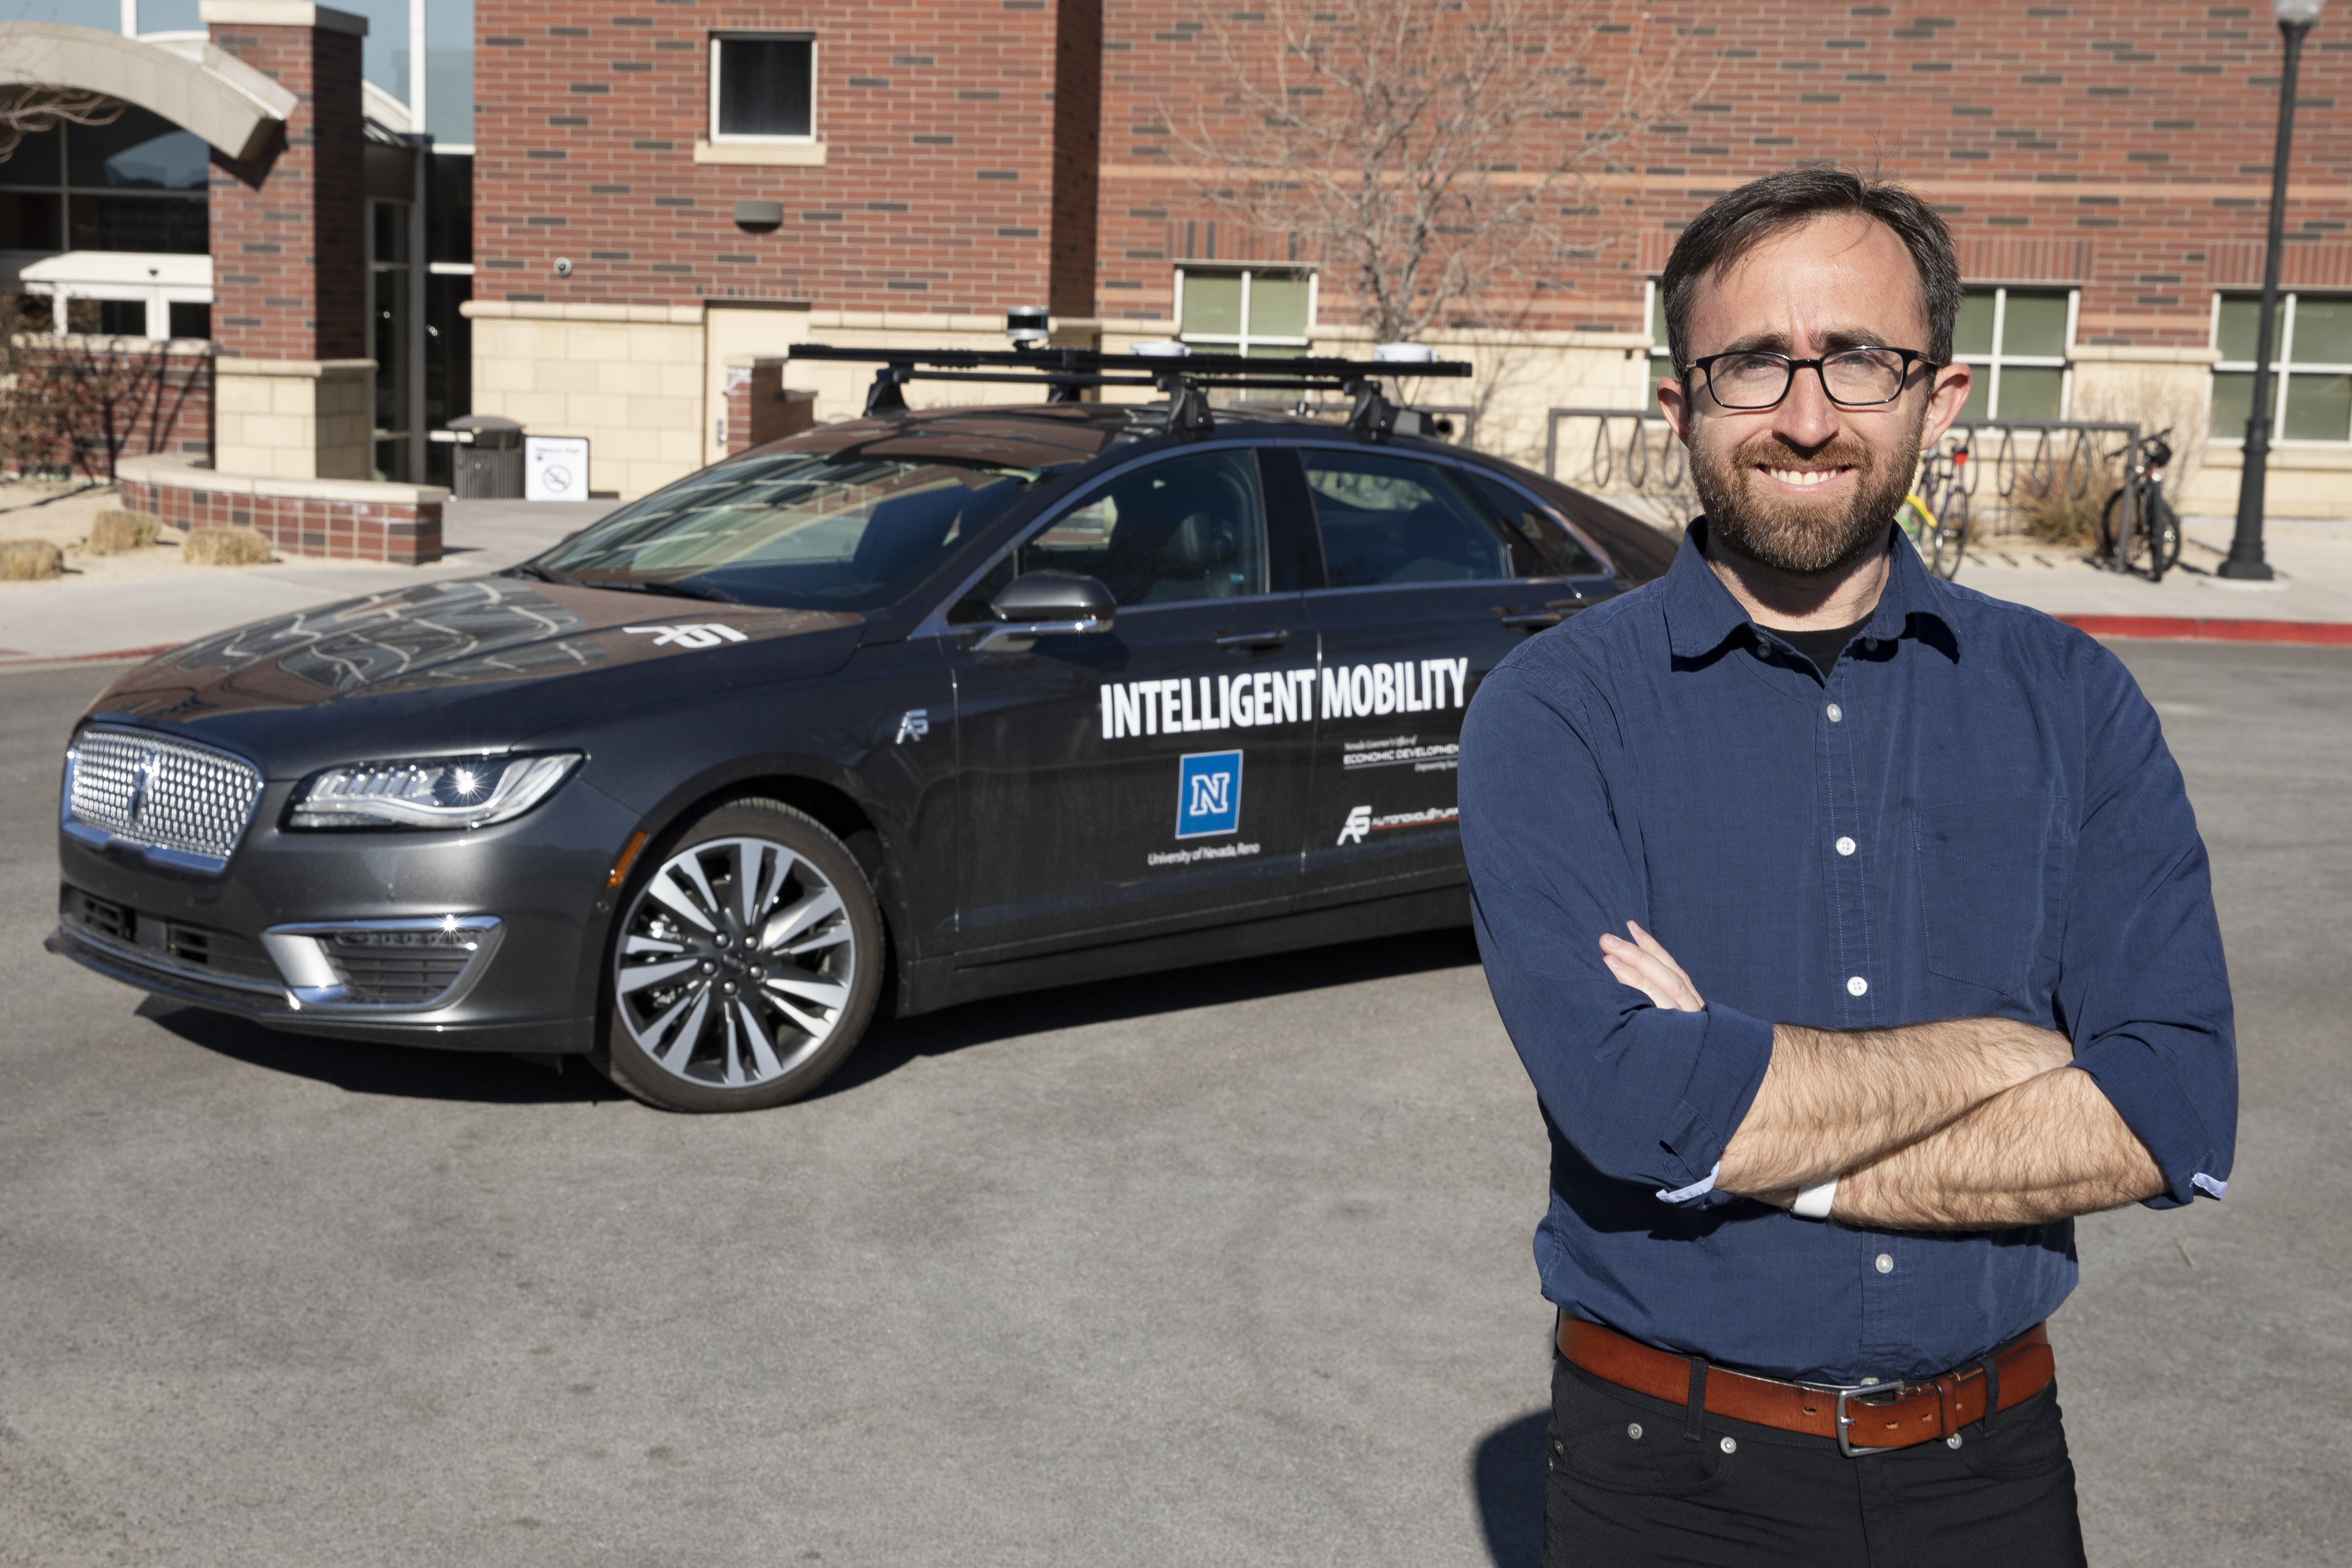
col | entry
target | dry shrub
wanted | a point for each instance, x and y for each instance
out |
(2060, 507)
(115, 532)
(225, 547)
(29, 559)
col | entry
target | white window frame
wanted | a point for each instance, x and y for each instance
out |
(2281, 366)
(1240, 343)
(718, 40)
(1991, 364)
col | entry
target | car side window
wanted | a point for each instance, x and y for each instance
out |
(1557, 551)
(1186, 529)
(1391, 520)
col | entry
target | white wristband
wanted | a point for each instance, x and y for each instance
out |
(1813, 1201)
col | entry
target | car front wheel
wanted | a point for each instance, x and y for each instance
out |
(745, 964)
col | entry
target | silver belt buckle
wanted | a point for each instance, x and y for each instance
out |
(1871, 1395)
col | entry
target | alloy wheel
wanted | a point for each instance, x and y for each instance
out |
(736, 964)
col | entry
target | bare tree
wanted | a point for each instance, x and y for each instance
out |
(30, 110)
(1423, 151)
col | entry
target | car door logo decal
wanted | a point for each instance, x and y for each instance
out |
(1249, 699)
(915, 725)
(1361, 823)
(1396, 751)
(709, 633)
(1208, 794)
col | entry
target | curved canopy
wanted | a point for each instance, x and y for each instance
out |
(217, 95)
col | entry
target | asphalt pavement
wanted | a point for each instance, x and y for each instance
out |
(1225, 1266)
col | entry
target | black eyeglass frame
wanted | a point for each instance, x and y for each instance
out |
(1819, 367)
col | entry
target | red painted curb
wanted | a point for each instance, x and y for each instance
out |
(2318, 633)
(119, 654)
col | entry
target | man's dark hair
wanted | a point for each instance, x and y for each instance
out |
(1738, 222)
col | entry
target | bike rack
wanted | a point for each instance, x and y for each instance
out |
(2042, 468)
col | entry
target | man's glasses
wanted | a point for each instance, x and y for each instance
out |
(1853, 378)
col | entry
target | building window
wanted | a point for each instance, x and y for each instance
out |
(1265, 311)
(135, 185)
(2015, 340)
(762, 87)
(2311, 372)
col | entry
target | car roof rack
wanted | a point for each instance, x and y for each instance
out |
(1186, 380)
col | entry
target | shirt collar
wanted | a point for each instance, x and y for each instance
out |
(1701, 613)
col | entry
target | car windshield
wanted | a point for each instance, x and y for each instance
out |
(816, 531)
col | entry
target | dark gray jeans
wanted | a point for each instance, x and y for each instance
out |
(1629, 1489)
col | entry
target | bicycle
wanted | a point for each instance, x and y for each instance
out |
(1940, 531)
(2153, 545)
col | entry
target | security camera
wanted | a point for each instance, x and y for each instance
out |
(563, 267)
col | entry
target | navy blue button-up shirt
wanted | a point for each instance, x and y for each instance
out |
(1974, 815)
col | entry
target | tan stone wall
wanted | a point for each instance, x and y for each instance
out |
(629, 378)
(292, 420)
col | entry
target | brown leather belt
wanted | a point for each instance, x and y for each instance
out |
(1863, 1420)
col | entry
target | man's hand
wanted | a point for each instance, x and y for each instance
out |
(1835, 1101)
(1645, 966)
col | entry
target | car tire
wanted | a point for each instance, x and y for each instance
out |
(744, 966)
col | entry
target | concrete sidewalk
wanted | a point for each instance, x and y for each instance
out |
(95, 618)
(2313, 561)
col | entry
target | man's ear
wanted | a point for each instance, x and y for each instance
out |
(1946, 398)
(1674, 404)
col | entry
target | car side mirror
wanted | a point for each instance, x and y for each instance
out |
(1046, 603)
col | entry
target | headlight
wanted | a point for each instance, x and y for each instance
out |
(430, 791)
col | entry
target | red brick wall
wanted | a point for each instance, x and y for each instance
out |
(2121, 143)
(288, 228)
(938, 119)
(404, 533)
(123, 404)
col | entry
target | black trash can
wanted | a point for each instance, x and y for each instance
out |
(488, 464)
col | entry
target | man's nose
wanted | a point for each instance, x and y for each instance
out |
(1806, 417)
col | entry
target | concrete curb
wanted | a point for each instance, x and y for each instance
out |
(2315, 634)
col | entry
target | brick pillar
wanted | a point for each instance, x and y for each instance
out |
(289, 261)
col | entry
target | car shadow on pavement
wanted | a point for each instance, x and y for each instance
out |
(894, 1043)
(413, 1072)
(488, 1077)
(1507, 1474)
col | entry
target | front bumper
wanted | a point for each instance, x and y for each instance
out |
(484, 941)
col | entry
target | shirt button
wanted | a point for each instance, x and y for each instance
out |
(1835, 712)
(1885, 1263)
(1845, 846)
(1856, 987)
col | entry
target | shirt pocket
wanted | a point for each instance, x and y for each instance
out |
(1992, 878)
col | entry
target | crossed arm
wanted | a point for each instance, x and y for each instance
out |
(1965, 1124)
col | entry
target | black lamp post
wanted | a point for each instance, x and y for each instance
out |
(2245, 562)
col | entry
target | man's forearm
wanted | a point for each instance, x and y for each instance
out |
(2048, 1149)
(1834, 1102)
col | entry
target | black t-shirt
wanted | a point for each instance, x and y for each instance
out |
(1821, 647)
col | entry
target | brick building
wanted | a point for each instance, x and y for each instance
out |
(692, 181)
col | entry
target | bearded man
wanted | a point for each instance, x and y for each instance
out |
(1856, 930)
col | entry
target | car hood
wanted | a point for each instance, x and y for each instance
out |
(478, 662)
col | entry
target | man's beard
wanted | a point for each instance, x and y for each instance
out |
(1803, 539)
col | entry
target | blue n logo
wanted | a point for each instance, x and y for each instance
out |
(1209, 794)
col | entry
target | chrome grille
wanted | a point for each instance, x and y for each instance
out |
(160, 794)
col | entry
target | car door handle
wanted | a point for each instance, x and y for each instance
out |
(1551, 614)
(1276, 637)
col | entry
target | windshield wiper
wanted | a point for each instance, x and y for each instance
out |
(674, 590)
(525, 569)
